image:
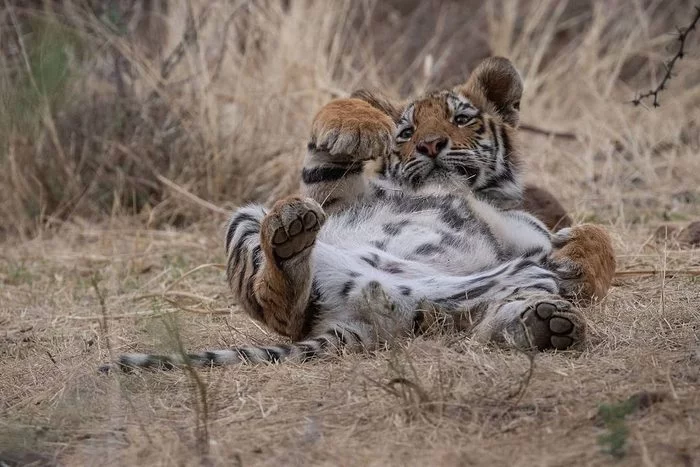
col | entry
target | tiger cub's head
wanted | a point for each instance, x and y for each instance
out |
(463, 137)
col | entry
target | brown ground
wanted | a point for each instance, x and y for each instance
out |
(83, 279)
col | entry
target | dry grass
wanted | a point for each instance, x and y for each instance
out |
(98, 236)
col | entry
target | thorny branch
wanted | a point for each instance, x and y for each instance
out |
(682, 36)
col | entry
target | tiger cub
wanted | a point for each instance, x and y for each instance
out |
(359, 258)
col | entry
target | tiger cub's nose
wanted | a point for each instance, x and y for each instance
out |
(431, 147)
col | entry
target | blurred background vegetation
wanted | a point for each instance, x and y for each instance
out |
(154, 109)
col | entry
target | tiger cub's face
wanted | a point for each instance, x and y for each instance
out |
(464, 138)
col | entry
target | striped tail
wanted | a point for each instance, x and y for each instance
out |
(326, 344)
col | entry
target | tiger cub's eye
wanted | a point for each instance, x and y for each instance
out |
(406, 133)
(462, 119)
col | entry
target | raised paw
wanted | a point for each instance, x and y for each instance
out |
(291, 226)
(550, 323)
(352, 129)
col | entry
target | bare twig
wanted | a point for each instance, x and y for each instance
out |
(524, 382)
(682, 36)
(545, 132)
(192, 197)
(53, 360)
(653, 272)
(529, 353)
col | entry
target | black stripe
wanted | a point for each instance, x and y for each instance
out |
(347, 288)
(481, 290)
(534, 251)
(469, 294)
(245, 354)
(499, 180)
(537, 226)
(273, 354)
(160, 362)
(372, 260)
(544, 275)
(324, 341)
(418, 321)
(330, 202)
(394, 228)
(210, 358)
(522, 265)
(506, 142)
(257, 259)
(307, 351)
(392, 268)
(380, 245)
(238, 248)
(379, 192)
(341, 338)
(429, 249)
(242, 275)
(312, 312)
(355, 335)
(328, 174)
(255, 309)
(496, 144)
(235, 222)
(452, 218)
(543, 288)
(500, 270)
(452, 298)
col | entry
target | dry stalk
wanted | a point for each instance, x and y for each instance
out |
(524, 381)
(199, 389)
(94, 280)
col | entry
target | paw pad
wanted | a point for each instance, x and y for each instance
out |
(292, 226)
(552, 323)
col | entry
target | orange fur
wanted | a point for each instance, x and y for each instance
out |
(283, 304)
(350, 115)
(590, 248)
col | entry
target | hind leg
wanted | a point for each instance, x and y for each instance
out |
(539, 321)
(269, 262)
(584, 260)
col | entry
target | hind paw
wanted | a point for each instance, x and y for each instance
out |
(550, 323)
(291, 227)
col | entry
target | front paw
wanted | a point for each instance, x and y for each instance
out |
(353, 130)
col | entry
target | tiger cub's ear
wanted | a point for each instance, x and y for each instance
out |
(495, 85)
(379, 102)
